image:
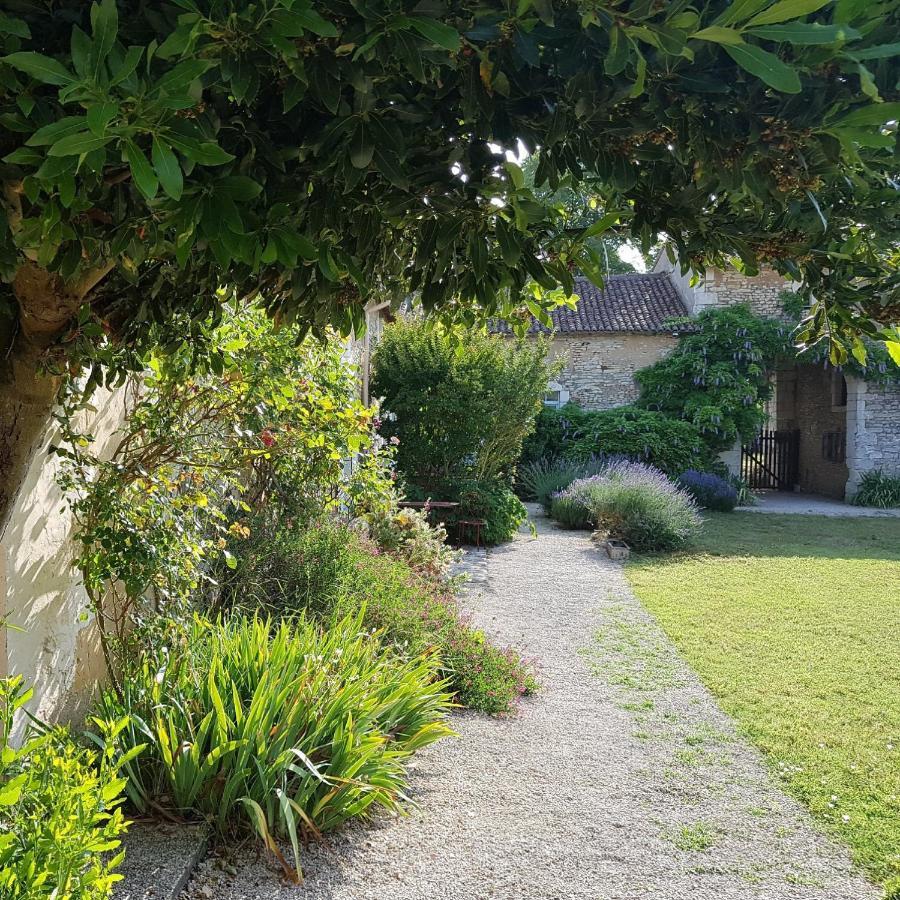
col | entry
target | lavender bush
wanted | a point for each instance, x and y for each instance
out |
(708, 490)
(633, 502)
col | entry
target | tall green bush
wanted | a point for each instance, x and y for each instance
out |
(209, 460)
(717, 378)
(643, 435)
(460, 409)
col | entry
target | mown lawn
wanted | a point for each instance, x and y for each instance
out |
(794, 623)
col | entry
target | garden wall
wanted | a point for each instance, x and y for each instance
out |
(873, 430)
(57, 651)
(599, 372)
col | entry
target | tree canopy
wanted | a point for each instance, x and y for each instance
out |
(157, 155)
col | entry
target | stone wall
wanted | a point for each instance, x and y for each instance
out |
(57, 649)
(599, 370)
(873, 430)
(809, 400)
(726, 287)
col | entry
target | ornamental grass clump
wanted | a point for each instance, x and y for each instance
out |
(708, 490)
(632, 502)
(543, 478)
(284, 730)
(879, 490)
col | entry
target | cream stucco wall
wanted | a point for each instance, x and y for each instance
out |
(57, 650)
(599, 368)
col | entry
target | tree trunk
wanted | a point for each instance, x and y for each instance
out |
(27, 393)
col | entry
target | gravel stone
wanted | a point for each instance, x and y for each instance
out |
(159, 860)
(620, 780)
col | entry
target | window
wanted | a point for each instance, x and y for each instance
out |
(556, 396)
(838, 391)
(834, 446)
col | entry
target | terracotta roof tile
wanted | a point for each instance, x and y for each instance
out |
(638, 303)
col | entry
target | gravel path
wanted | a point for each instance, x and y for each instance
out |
(621, 780)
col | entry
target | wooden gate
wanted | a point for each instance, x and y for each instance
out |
(772, 461)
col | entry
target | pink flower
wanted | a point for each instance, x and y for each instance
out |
(267, 437)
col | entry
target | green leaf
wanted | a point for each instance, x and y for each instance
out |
(207, 153)
(15, 27)
(24, 156)
(128, 64)
(76, 144)
(805, 33)
(12, 790)
(718, 35)
(858, 349)
(141, 171)
(81, 51)
(100, 115)
(765, 66)
(873, 114)
(641, 78)
(516, 175)
(880, 51)
(387, 164)
(602, 224)
(867, 82)
(312, 21)
(786, 10)
(239, 187)
(41, 67)
(436, 32)
(51, 133)
(362, 148)
(165, 163)
(104, 26)
(178, 78)
(893, 348)
(617, 58)
(740, 11)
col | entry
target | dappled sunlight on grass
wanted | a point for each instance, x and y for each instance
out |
(794, 623)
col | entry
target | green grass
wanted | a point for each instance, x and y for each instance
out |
(695, 838)
(794, 623)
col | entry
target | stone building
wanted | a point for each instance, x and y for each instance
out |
(826, 428)
(609, 336)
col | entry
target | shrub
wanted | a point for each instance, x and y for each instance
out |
(460, 410)
(635, 503)
(209, 460)
(651, 437)
(285, 730)
(717, 378)
(407, 533)
(878, 489)
(710, 491)
(494, 502)
(60, 816)
(332, 572)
